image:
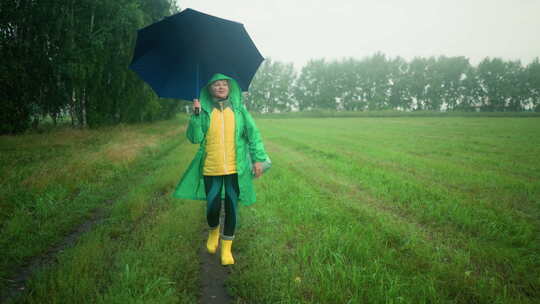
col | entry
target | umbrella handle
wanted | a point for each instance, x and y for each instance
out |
(197, 89)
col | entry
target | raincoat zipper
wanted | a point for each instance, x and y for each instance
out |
(223, 137)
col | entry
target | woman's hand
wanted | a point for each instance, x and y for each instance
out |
(258, 169)
(196, 106)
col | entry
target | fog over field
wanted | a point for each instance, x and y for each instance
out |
(296, 31)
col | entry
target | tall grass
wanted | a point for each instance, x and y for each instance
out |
(54, 181)
(145, 252)
(358, 210)
(395, 210)
(322, 113)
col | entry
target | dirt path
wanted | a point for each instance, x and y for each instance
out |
(213, 275)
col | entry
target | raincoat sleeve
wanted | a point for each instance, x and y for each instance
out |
(194, 130)
(255, 144)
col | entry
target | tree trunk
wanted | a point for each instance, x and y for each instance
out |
(83, 108)
(73, 108)
(54, 118)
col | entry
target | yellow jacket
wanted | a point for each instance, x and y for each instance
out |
(220, 141)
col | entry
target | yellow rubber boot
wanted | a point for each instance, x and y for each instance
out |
(213, 240)
(226, 254)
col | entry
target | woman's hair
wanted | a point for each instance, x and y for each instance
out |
(226, 80)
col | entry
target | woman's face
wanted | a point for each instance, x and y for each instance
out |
(220, 89)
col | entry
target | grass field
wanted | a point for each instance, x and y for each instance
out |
(355, 210)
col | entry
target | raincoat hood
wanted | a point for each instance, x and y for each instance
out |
(235, 93)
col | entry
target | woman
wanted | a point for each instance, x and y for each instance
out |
(229, 143)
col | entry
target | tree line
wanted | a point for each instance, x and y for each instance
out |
(380, 83)
(70, 58)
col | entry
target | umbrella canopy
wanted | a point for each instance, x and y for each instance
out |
(179, 54)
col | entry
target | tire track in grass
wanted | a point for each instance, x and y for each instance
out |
(334, 189)
(159, 241)
(447, 140)
(48, 285)
(354, 192)
(135, 256)
(305, 246)
(23, 274)
(58, 179)
(448, 242)
(480, 218)
(129, 240)
(396, 158)
(20, 277)
(49, 258)
(340, 186)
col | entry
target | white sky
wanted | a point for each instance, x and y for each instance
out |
(296, 31)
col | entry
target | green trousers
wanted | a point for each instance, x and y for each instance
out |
(214, 186)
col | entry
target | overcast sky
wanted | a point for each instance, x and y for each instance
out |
(296, 31)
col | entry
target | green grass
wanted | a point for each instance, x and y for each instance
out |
(395, 210)
(140, 249)
(357, 210)
(142, 253)
(322, 113)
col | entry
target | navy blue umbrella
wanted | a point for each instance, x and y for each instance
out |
(179, 54)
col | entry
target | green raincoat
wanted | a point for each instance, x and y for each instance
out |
(248, 145)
